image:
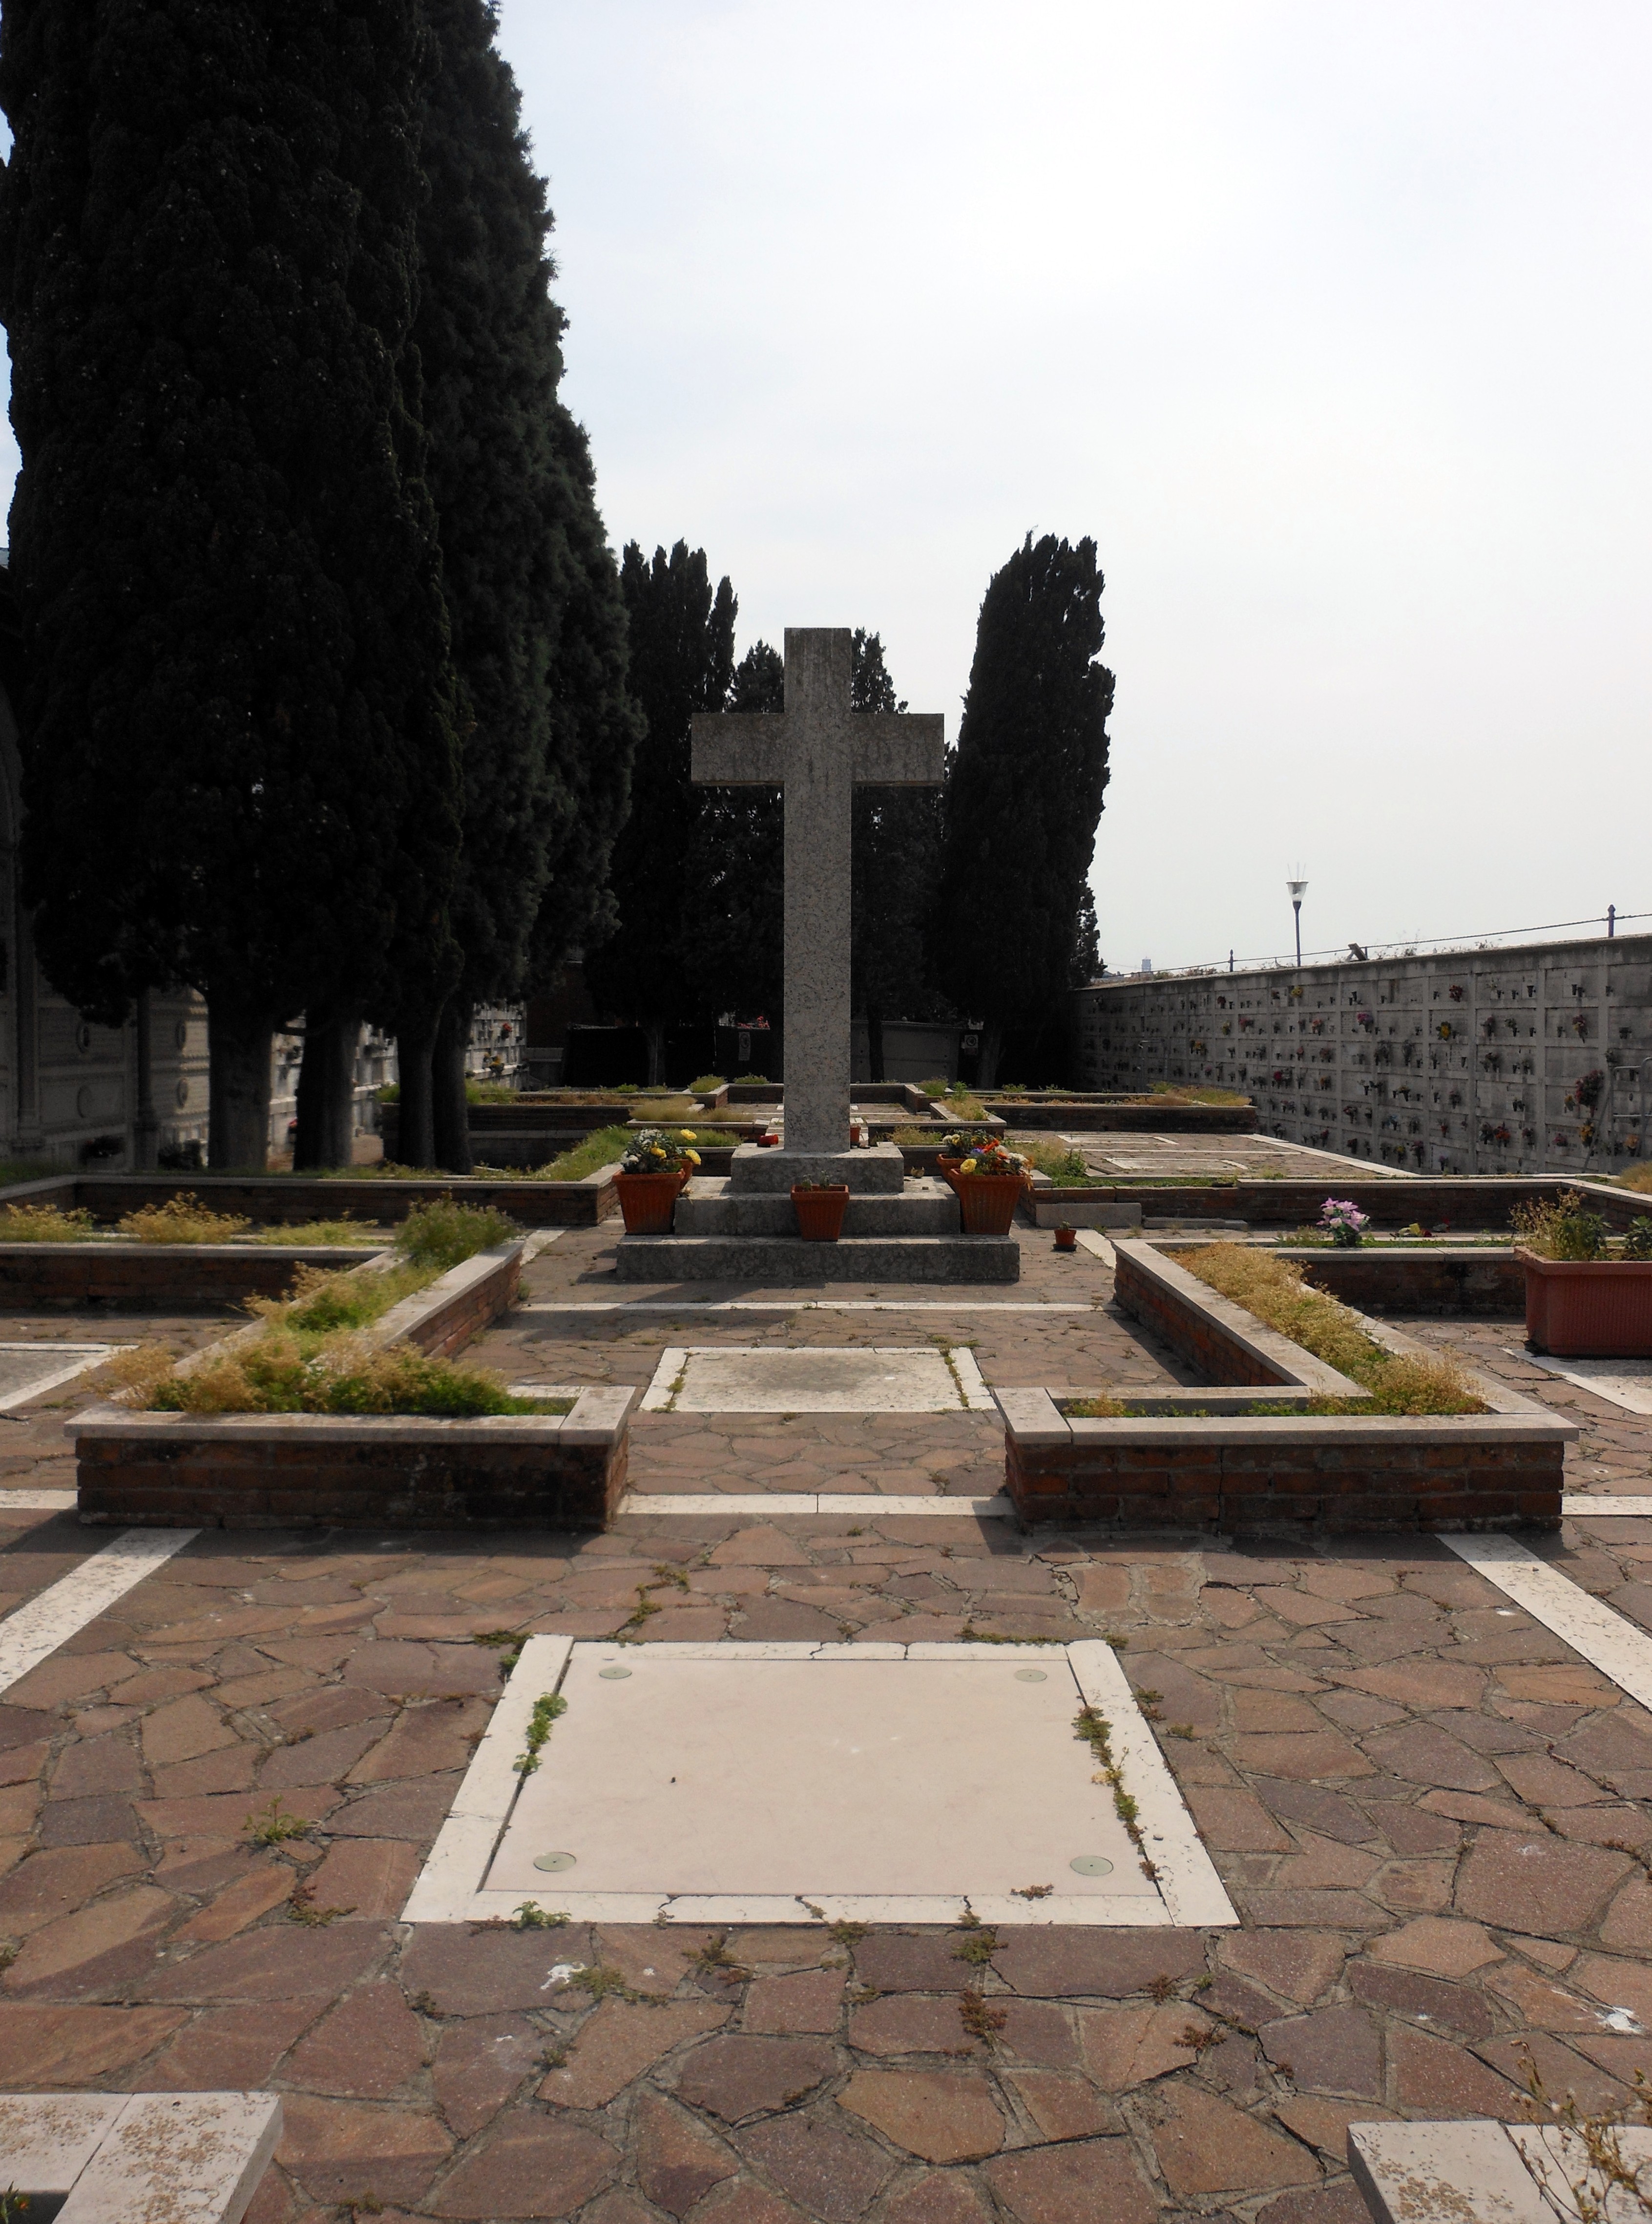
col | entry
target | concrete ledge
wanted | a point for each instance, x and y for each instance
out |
(183, 1277)
(1228, 1471)
(391, 1471)
(1224, 1341)
(784, 1261)
(379, 1471)
(879, 1171)
(710, 1207)
(1486, 2173)
(121, 2156)
(281, 1200)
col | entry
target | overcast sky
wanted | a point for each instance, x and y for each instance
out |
(1330, 322)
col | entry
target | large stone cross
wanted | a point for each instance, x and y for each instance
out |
(819, 752)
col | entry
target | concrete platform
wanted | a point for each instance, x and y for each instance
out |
(878, 1171)
(769, 1260)
(711, 1206)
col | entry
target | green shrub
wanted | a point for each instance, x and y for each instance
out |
(705, 1083)
(443, 1234)
(1064, 1165)
(280, 1372)
(1637, 1244)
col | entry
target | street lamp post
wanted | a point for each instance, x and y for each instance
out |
(1298, 890)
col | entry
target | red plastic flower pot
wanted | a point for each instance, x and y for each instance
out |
(1588, 1308)
(948, 1169)
(648, 1201)
(820, 1212)
(988, 1202)
(1067, 1239)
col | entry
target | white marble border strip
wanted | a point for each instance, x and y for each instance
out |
(1603, 1637)
(977, 1397)
(42, 1501)
(997, 1508)
(1187, 1882)
(464, 1845)
(1093, 1241)
(1592, 1505)
(82, 1358)
(1627, 1394)
(662, 1389)
(36, 1629)
(1187, 1892)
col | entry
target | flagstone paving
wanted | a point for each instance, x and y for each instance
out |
(1435, 1822)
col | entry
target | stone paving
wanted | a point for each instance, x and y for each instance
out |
(1433, 1818)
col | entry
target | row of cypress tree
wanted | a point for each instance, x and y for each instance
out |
(326, 708)
(974, 898)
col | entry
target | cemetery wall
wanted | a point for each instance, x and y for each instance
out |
(1535, 1059)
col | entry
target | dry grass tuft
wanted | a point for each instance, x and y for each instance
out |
(44, 1223)
(1274, 1290)
(182, 1220)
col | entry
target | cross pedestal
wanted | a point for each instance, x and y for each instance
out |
(818, 751)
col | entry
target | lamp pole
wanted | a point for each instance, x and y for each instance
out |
(1298, 890)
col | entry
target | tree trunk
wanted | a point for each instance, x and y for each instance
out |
(451, 1111)
(416, 1126)
(654, 1031)
(238, 1046)
(146, 1128)
(991, 1046)
(326, 1119)
(874, 1043)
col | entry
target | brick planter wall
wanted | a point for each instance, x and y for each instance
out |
(1276, 1476)
(284, 1200)
(279, 1470)
(165, 1277)
(318, 1470)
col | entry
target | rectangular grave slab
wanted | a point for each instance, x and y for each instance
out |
(811, 1783)
(725, 1379)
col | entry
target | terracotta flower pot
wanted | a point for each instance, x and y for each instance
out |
(648, 1201)
(1588, 1308)
(820, 1212)
(988, 1202)
(1067, 1239)
(948, 1169)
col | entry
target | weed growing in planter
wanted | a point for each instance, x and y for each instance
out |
(605, 1148)
(182, 1220)
(44, 1223)
(1065, 1168)
(442, 1234)
(1273, 1289)
(1562, 1227)
(1637, 1244)
(344, 1372)
(346, 1229)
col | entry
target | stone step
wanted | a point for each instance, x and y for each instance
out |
(711, 1207)
(770, 1259)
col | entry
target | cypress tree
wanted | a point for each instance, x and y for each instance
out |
(735, 928)
(1025, 790)
(895, 862)
(240, 760)
(682, 656)
(526, 568)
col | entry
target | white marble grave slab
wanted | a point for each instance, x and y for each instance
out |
(1625, 1383)
(730, 1378)
(793, 1782)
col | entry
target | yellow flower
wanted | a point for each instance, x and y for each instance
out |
(656, 1150)
(967, 1167)
(687, 1134)
(693, 1157)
